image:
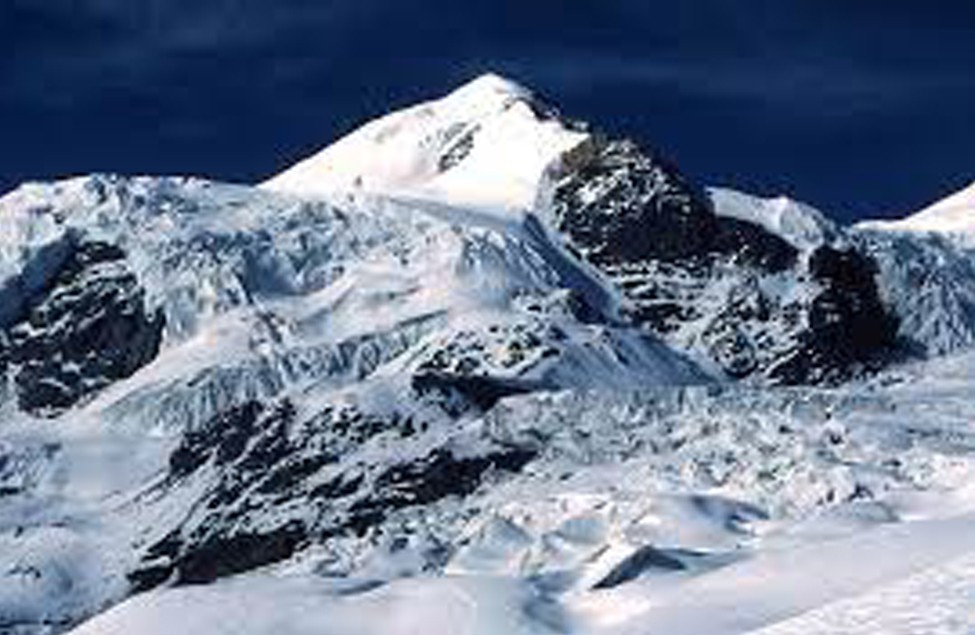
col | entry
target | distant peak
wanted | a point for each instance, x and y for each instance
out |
(491, 84)
(952, 215)
(967, 193)
(963, 198)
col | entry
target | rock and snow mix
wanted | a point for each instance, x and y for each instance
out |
(478, 369)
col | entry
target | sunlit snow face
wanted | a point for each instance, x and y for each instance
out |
(953, 216)
(482, 146)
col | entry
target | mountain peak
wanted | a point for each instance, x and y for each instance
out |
(486, 144)
(489, 85)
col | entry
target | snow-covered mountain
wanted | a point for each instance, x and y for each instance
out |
(474, 366)
(485, 145)
(954, 215)
(730, 290)
(927, 271)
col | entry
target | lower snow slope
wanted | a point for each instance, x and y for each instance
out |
(936, 601)
(708, 511)
(722, 524)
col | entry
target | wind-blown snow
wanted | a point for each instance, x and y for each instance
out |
(485, 145)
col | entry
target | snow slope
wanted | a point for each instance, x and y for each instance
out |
(306, 605)
(937, 601)
(803, 226)
(689, 513)
(485, 145)
(264, 296)
(249, 279)
(929, 281)
(774, 587)
(878, 540)
(954, 215)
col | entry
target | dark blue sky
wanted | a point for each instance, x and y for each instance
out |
(862, 108)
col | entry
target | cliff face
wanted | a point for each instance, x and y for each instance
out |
(84, 328)
(740, 296)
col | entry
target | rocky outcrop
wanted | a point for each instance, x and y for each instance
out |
(620, 206)
(742, 299)
(257, 457)
(85, 327)
(848, 327)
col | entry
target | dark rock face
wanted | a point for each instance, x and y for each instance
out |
(459, 143)
(247, 446)
(256, 457)
(848, 324)
(207, 557)
(456, 391)
(753, 246)
(224, 439)
(709, 283)
(429, 479)
(620, 206)
(87, 327)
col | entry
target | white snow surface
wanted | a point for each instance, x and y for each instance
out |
(485, 145)
(841, 511)
(929, 281)
(302, 605)
(954, 215)
(885, 576)
(936, 601)
(802, 225)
